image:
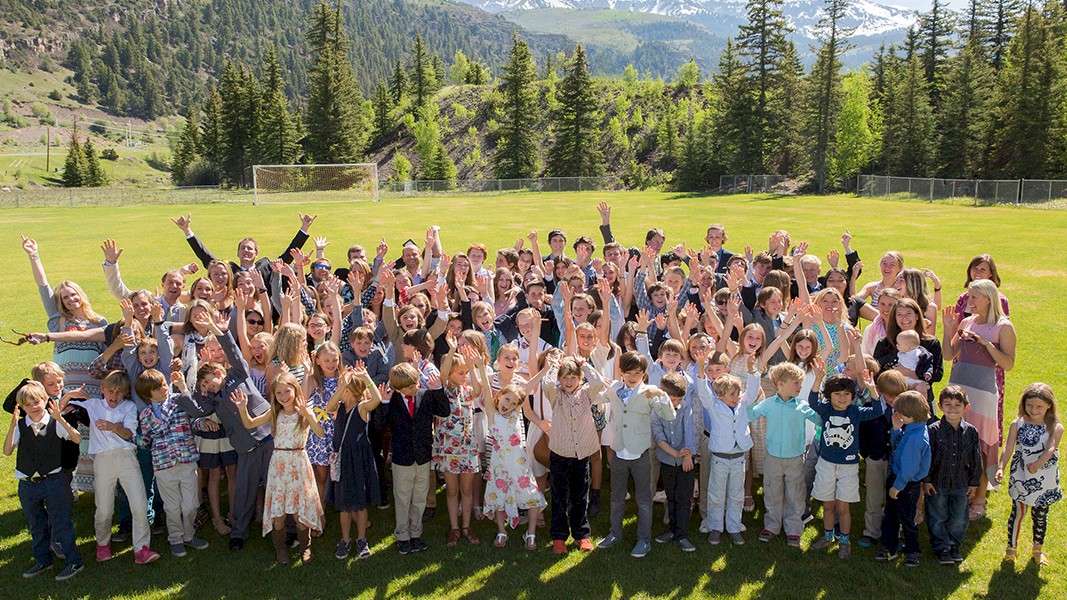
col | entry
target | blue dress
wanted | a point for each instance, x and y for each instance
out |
(319, 448)
(358, 487)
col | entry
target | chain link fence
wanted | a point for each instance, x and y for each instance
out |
(40, 197)
(753, 184)
(399, 189)
(978, 192)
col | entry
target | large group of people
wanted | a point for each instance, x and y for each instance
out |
(311, 388)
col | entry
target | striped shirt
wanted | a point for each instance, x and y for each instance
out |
(168, 434)
(573, 431)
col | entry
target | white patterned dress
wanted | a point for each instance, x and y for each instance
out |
(1040, 489)
(511, 486)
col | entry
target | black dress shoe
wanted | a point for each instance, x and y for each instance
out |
(417, 545)
(237, 544)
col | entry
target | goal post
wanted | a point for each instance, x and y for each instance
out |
(286, 184)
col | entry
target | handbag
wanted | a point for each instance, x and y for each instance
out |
(335, 457)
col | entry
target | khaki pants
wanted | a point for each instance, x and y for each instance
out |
(875, 479)
(120, 467)
(783, 494)
(410, 485)
(181, 497)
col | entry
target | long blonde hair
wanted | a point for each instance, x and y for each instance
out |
(290, 341)
(989, 289)
(275, 407)
(87, 309)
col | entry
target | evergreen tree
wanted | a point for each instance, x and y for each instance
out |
(187, 148)
(253, 119)
(762, 46)
(398, 83)
(477, 74)
(667, 138)
(75, 166)
(825, 88)
(460, 68)
(722, 136)
(334, 123)
(516, 155)
(935, 39)
(93, 176)
(212, 141)
(383, 107)
(855, 141)
(423, 75)
(785, 151)
(575, 152)
(233, 125)
(964, 116)
(279, 138)
(909, 143)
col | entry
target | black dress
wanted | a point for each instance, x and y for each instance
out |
(358, 487)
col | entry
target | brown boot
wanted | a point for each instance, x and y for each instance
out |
(281, 552)
(303, 538)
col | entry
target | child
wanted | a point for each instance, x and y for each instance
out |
(291, 490)
(837, 474)
(1034, 437)
(676, 447)
(783, 474)
(167, 432)
(115, 461)
(455, 450)
(914, 358)
(44, 494)
(572, 441)
(411, 413)
(353, 482)
(875, 450)
(726, 420)
(910, 465)
(512, 486)
(632, 405)
(955, 471)
(318, 389)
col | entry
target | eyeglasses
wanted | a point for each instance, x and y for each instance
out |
(323, 267)
(253, 322)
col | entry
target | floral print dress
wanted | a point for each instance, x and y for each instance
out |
(511, 486)
(291, 488)
(455, 449)
(319, 448)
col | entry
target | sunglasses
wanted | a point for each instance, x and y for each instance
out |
(721, 302)
(23, 338)
(253, 322)
(323, 267)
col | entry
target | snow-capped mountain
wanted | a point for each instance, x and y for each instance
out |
(721, 17)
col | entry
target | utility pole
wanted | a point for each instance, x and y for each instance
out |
(48, 150)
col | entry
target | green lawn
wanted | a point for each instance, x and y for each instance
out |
(940, 237)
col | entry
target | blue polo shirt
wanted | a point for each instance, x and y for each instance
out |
(786, 436)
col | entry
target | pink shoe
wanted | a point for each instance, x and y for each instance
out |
(144, 556)
(103, 553)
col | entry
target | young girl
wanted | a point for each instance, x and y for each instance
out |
(891, 265)
(291, 487)
(455, 449)
(1034, 482)
(354, 486)
(511, 484)
(318, 389)
(290, 349)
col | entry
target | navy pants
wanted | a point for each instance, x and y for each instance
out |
(47, 504)
(900, 513)
(570, 485)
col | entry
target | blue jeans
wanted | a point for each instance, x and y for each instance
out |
(48, 505)
(946, 518)
(155, 502)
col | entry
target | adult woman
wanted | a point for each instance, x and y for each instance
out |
(830, 303)
(911, 283)
(977, 345)
(906, 315)
(68, 309)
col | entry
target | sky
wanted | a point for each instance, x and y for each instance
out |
(923, 5)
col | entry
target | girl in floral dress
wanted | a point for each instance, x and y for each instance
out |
(455, 449)
(511, 486)
(291, 490)
(318, 389)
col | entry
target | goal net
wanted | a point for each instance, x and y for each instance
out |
(290, 184)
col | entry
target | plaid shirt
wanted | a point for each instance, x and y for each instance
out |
(169, 436)
(956, 460)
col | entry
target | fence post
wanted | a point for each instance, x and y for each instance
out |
(1019, 194)
(1050, 192)
(931, 189)
(70, 197)
(953, 188)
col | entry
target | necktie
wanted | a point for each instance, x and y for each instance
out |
(411, 406)
(37, 427)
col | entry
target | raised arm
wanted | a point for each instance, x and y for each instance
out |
(240, 400)
(184, 223)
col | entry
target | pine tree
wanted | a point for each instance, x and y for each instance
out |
(75, 166)
(279, 138)
(516, 155)
(253, 120)
(785, 151)
(212, 136)
(187, 148)
(398, 83)
(334, 122)
(383, 107)
(909, 143)
(825, 88)
(423, 75)
(855, 142)
(233, 126)
(575, 152)
(477, 74)
(935, 39)
(93, 176)
(964, 116)
(762, 45)
(667, 138)
(722, 137)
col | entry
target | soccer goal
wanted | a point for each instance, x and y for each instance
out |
(291, 184)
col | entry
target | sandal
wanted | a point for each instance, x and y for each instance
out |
(478, 514)
(977, 511)
(453, 538)
(220, 526)
(1040, 558)
(470, 537)
(1009, 555)
(750, 504)
(501, 540)
(540, 520)
(531, 541)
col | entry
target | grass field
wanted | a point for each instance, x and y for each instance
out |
(943, 238)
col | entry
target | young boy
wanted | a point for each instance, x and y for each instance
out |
(114, 453)
(875, 450)
(783, 469)
(167, 432)
(955, 470)
(411, 413)
(43, 492)
(716, 365)
(632, 405)
(729, 439)
(837, 480)
(572, 441)
(914, 358)
(910, 465)
(675, 448)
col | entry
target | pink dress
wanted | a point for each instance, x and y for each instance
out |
(291, 488)
(975, 371)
